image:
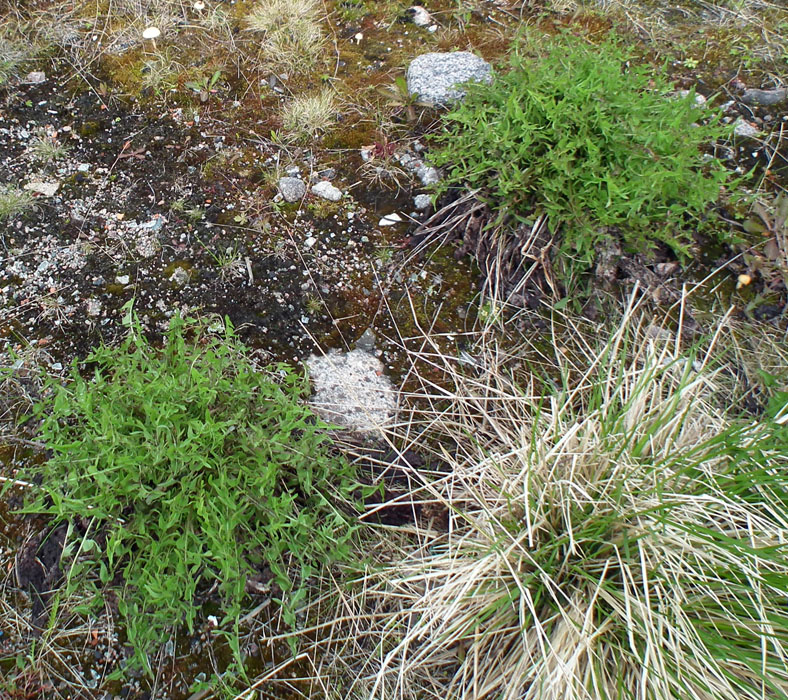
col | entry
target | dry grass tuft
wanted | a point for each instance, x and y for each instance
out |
(306, 116)
(292, 37)
(614, 531)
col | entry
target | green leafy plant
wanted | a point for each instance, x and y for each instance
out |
(184, 467)
(598, 143)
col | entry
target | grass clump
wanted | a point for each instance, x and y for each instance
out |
(187, 467)
(616, 532)
(292, 37)
(592, 139)
(306, 116)
(12, 55)
(14, 201)
(46, 148)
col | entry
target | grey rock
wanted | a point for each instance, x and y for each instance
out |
(292, 188)
(742, 127)
(35, 77)
(292, 171)
(367, 341)
(422, 201)
(46, 189)
(436, 77)
(180, 277)
(754, 96)
(327, 191)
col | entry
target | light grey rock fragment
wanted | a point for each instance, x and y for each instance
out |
(46, 189)
(741, 127)
(436, 78)
(327, 191)
(754, 96)
(422, 201)
(179, 277)
(367, 341)
(292, 188)
(352, 390)
(155, 224)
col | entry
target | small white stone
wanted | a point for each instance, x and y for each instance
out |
(428, 175)
(122, 279)
(390, 220)
(419, 16)
(309, 242)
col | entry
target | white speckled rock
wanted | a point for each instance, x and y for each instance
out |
(351, 390)
(436, 77)
(327, 191)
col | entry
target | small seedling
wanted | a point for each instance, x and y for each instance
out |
(397, 95)
(206, 85)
